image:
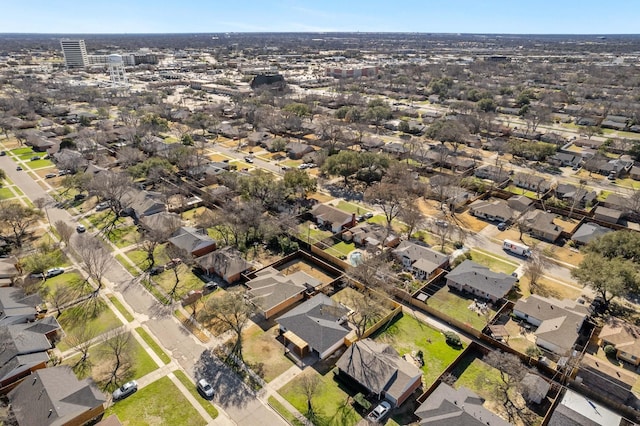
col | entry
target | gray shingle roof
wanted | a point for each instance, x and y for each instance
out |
(589, 231)
(482, 278)
(191, 239)
(271, 287)
(421, 257)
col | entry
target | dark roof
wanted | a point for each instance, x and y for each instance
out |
(298, 148)
(589, 231)
(378, 367)
(267, 79)
(53, 396)
(191, 239)
(482, 278)
(330, 214)
(423, 258)
(14, 302)
(447, 406)
(271, 287)
(318, 321)
(226, 261)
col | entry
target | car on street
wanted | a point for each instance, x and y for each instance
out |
(64, 172)
(50, 175)
(102, 206)
(53, 272)
(156, 270)
(3, 153)
(368, 215)
(285, 168)
(205, 388)
(35, 158)
(442, 223)
(18, 168)
(80, 229)
(379, 412)
(125, 390)
(248, 159)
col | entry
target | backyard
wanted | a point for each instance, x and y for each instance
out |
(309, 268)
(460, 308)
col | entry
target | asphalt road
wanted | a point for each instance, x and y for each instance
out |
(240, 404)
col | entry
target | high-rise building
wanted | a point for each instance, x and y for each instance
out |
(75, 53)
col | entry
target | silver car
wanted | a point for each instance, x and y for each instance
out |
(125, 390)
(205, 388)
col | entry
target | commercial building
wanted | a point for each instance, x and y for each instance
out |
(75, 53)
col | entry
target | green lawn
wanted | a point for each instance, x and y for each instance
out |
(120, 307)
(493, 262)
(73, 281)
(153, 345)
(476, 375)
(124, 236)
(342, 249)
(330, 403)
(208, 406)
(521, 191)
(188, 281)
(264, 353)
(628, 183)
(139, 257)
(6, 193)
(309, 231)
(407, 334)
(290, 418)
(351, 208)
(133, 271)
(22, 151)
(94, 313)
(100, 356)
(39, 164)
(458, 307)
(101, 219)
(160, 403)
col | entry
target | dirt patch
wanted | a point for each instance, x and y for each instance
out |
(564, 254)
(471, 222)
(321, 197)
(218, 157)
(308, 268)
(549, 288)
(429, 207)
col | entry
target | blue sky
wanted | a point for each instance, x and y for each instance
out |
(427, 16)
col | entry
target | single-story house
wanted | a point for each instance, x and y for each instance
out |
(565, 159)
(493, 210)
(623, 336)
(25, 349)
(139, 204)
(195, 241)
(602, 377)
(519, 203)
(607, 215)
(634, 173)
(17, 307)
(588, 231)
(226, 262)
(617, 202)
(370, 143)
(540, 224)
(422, 261)
(54, 396)
(448, 406)
(371, 235)
(537, 184)
(494, 173)
(8, 270)
(480, 281)
(272, 291)
(332, 217)
(558, 321)
(379, 369)
(317, 326)
(569, 193)
(165, 222)
(297, 150)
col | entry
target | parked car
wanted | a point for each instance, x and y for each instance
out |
(379, 412)
(102, 206)
(205, 388)
(53, 272)
(80, 229)
(79, 197)
(248, 159)
(442, 223)
(18, 168)
(210, 286)
(368, 215)
(125, 390)
(3, 153)
(173, 263)
(64, 172)
(50, 175)
(502, 226)
(34, 158)
(156, 270)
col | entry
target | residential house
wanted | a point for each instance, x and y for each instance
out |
(8, 270)
(540, 224)
(480, 281)
(586, 121)
(17, 307)
(617, 202)
(371, 235)
(332, 217)
(397, 149)
(520, 203)
(257, 138)
(537, 184)
(606, 214)
(453, 196)
(422, 261)
(54, 396)
(570, 194)
(618, 167)
(195, 241)
(370, 143)
(588, 143)
(611, 382)
(623, 336)
(553, 138)
(164, 222)
(25, 349)
(558, 322)
(588, 231)
(448, 406)
(493, 210)
(139, 203)
(568, 159)
(575, 409)
(226, 262)
(379, 369)
(297, 150)
(634, 173)
(317, 326)
(272, 291)
(493, 173)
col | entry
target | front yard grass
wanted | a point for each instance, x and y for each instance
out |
(101, 359)
(188, 281)
(72, 281)
(406, 334)
(493, 262)
(93, 313)
(330, 402)
(120, 307)
(153, 345)
(6, 193)
(133, 271)
(290, 418)
(123, 236)
(39, 164)
(208, 406)
(351, 208)
(456, 306)
(264, 353)
(160, 403)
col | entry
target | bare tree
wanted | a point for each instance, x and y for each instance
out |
(412, 216)
(179, 258)
(152, 238)
(534, 269)
(65, 231)
(368, 308)
(80, 339)
(442, 228)
(60, 296)
(233, 311)
(389, 197)
(512, 371)
(95, 258)
(118, 347)
(309, 385)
